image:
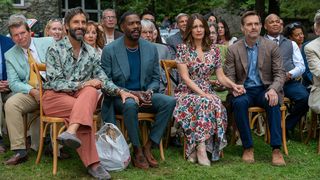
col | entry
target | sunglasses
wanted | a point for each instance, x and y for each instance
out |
(55, 20)
(294, 25)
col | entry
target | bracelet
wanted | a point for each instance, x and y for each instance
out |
(120, 91)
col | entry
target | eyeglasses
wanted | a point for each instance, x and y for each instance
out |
(109, 17)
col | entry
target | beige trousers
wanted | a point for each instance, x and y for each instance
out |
(15, 108)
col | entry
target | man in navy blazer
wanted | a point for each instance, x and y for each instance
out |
(133, 64)
(5, 44)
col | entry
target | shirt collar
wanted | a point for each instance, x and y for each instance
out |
(32, 47)
(271, 37)
(69, 46)
(255, 44)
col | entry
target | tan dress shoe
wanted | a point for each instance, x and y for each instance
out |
(16, 159)
(248, 156)
(277, 158)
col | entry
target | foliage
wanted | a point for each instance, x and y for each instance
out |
(165, 7)
(299, 9)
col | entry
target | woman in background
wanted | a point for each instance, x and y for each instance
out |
(224, 36)
(54, 28)
(94, 36)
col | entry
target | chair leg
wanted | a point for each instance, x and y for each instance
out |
(167, 138)
(42, 136)
(312, 126)
(284, 138)
(161, 150)
(25, 124)
(55, 148)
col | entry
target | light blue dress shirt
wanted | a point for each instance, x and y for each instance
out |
(253, 78)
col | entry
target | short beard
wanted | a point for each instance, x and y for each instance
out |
(75, 36)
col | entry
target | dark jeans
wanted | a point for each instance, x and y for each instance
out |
(162, 106)
(256, 97)
(298, 95)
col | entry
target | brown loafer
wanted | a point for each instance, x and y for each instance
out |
(16, 159)
(277, 158)
(248, 156)
(140, 162)
(151, 160)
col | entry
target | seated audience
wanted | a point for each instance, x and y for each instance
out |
(176, 39)
(313, 56)
(199, 110)
(5, 44)
(133, 63)
(54, 28)
(256, 63)
(211, 18)
(73, 76)
(294, 67)
(94, 37)
(147, 30)
(224, 36)
(109, 23)
(23, 83)
(295, 32)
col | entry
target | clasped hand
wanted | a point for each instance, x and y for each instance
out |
(144, 97)
(238, 90)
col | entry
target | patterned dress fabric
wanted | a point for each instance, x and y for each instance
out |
(202, 120)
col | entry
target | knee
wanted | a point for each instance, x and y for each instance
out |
(11, 104)
(166, 102)
(130, 104)
(90, 91)
(240, 101)
(171, 102)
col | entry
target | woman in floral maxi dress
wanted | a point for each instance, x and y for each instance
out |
(199, 110)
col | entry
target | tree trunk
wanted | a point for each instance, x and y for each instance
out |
(274, 7)
(260, 8)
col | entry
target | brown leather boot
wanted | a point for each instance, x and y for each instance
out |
(277, 158)
(248, 155)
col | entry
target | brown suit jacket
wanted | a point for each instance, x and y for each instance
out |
(270, 64)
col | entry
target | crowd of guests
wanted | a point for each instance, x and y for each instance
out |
(86, 60)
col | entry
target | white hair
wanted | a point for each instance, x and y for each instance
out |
(147, 24)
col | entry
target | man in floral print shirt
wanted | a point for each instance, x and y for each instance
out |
(73, 77)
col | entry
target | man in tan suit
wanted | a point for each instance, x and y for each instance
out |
(312, 51)
(256, 63)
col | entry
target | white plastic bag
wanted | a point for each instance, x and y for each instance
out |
(112, 148)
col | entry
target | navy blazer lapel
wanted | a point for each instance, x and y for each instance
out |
(122, 58)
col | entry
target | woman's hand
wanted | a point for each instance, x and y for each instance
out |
(238, 90)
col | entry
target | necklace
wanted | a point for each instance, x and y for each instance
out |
(132, 50)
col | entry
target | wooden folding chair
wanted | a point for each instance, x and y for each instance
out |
(45, 121)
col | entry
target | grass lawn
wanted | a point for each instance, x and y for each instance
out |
(302, 163)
